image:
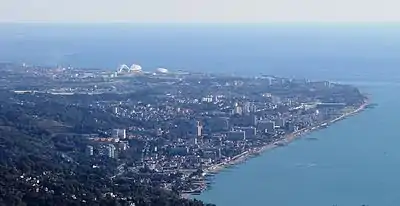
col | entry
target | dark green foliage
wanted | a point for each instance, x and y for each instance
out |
(38, 167)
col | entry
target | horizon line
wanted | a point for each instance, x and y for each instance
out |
(208, 23)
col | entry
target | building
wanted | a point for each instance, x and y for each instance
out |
(213, 153)
(123, 146)
(266, 126)
(159, 132)
(249, 107)
(199, 129)
(207, 99)
(250, 132)
(280, 122)
(217, 124)
(236, 135)
(253, 107)
(89, 150)
(111, 151)
(246, 108)
(291, 127)
(119, 133)
(249, 120)
(237, 109)
(123, 134)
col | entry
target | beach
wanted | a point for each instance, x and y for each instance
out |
(286, 139)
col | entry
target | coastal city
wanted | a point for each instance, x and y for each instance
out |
(170, 129)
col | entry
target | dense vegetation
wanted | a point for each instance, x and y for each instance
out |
(35, 170)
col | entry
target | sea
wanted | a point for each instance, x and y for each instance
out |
(353, 162)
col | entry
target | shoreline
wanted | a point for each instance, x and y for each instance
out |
(286, 139)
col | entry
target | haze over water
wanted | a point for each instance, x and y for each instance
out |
(355, 161)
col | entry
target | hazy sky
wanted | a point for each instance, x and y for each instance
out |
(240, 11)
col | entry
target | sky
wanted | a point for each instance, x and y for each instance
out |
(199, 11)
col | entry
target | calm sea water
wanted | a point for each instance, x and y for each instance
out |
(353, 162)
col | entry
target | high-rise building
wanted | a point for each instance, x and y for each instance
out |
(254, 120)
(237, 109)
(250, 132)
(249, 107)
(89, 150)
(248, 120)
(111, 151)
(266, 126)
(253, 108)
(123, 134)
(123, 146)
(119, 133)
(115, 133)
(246, 108)
(199, 128)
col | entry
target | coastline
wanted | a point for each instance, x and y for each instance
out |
(286, 139)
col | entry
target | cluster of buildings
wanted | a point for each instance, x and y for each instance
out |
(194, 122)
(183, 122)
(108, 146)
